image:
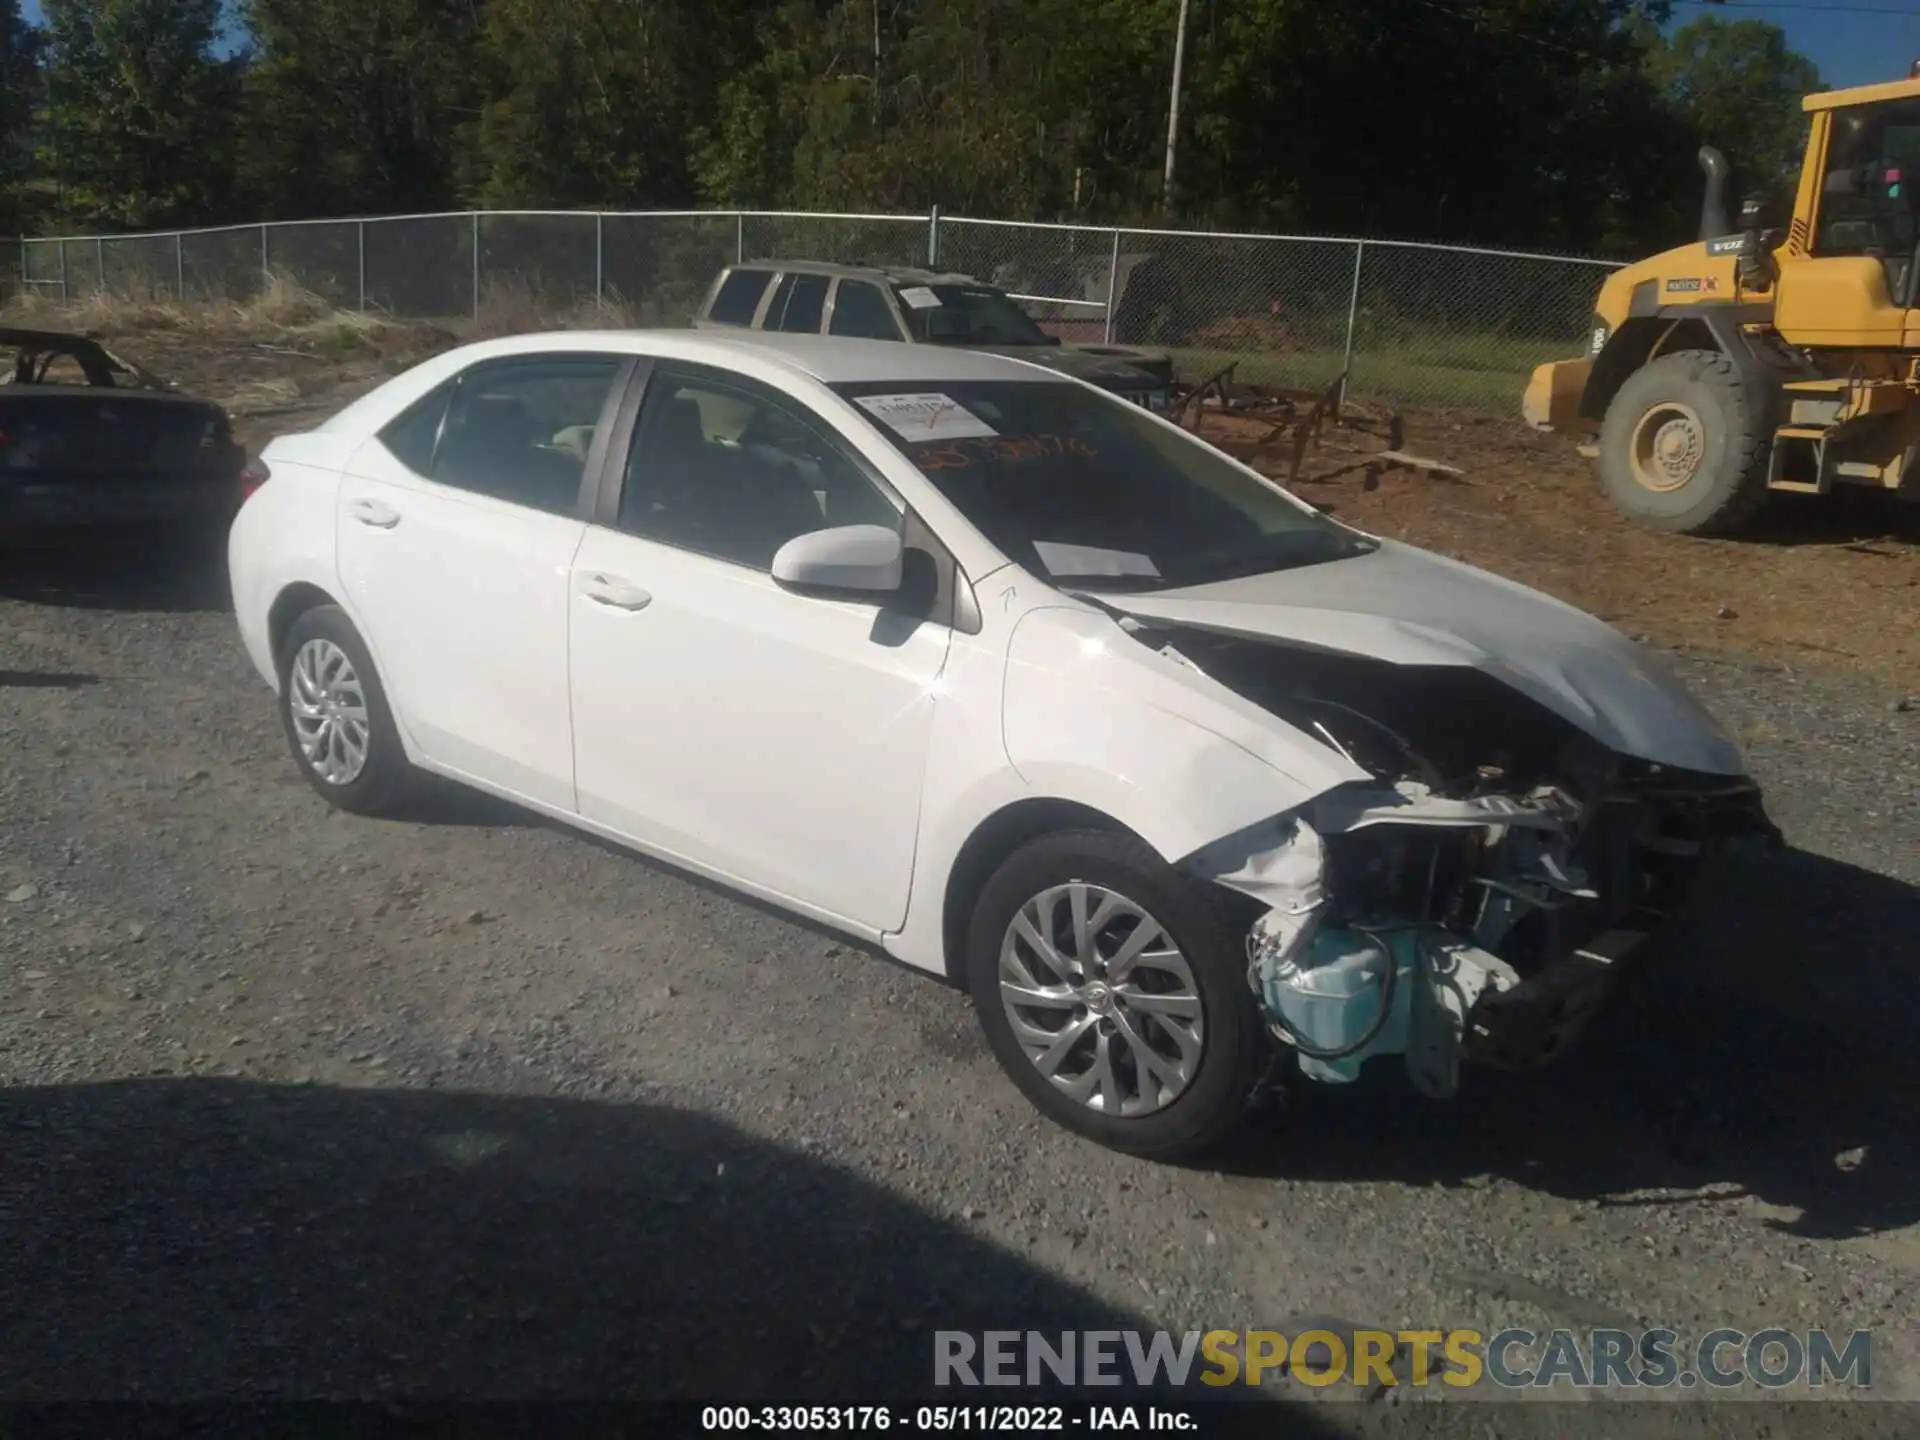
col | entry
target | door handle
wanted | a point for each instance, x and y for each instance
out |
(606, 590)
(372, 512)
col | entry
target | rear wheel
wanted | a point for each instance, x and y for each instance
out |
(1684, 447)
(336, 718)
(1113, 991)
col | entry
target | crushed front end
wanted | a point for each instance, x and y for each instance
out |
(1477, 900)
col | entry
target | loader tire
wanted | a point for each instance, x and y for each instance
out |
(1684, 447)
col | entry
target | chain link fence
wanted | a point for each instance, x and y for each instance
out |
(1406, 323)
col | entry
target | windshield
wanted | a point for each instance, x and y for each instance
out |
(966, 315)
(1092, 492)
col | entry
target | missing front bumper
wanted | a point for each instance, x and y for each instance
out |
(1529, 1025)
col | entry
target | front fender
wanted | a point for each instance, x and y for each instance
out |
(1552, 399)
(1090, 714)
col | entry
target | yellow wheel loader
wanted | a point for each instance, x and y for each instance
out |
(1764, 359)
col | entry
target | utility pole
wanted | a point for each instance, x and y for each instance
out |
(1173, 113)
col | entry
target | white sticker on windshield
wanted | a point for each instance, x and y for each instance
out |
(926, 417)
(1091, 560)
(919, 297)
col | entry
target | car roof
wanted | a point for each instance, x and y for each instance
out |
(830, 359)
(824, 359)
(861, 270)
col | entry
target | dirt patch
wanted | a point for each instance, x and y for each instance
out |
(1834, 582)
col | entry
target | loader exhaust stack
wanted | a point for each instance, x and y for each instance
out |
(1713, 208)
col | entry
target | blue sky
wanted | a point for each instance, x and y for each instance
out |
(1854, 42)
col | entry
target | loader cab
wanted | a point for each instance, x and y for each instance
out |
(1854, 245)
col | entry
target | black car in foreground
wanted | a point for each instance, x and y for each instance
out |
(89, 440)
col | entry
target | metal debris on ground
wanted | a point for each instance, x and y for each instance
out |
(1297, 421)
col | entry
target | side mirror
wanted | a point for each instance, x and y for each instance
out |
(867, 558)
(1762, 210)
(1755, 268)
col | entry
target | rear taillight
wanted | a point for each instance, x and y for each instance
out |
(253, 477)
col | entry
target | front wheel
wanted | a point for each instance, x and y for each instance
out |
(1114, 993)
(1684, 447)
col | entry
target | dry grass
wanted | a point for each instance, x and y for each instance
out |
(287, 313)
(513, 308)
(283, 307)
(287, 352)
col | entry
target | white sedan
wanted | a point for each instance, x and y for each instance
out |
(1023, 684)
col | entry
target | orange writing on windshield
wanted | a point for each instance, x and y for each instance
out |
(999, 449)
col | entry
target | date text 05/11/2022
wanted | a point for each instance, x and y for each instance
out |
(944, 1419)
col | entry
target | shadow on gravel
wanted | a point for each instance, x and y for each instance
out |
(1768, 1049)
(1849, 515)
(200, 1238)
(111, 571)
(44, 680)
(442, 802)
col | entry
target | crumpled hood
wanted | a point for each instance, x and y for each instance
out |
(1408, 607)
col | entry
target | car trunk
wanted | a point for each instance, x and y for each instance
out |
(91, 455)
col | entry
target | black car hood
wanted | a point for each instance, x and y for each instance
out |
(1102, 370)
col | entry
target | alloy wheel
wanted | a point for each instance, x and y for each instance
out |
(1101, 1000)
(329, 710)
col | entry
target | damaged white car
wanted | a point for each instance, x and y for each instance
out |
(1006, 676)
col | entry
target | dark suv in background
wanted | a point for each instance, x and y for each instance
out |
(918, 307)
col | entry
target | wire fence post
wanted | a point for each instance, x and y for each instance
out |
(99, 266)
(1353, 315)
(599, 258)
(933, 238)
(476, 264)
(1113, 285)
(739, 237)
(180, 267)
(266, 270)
(360, 246)
(66, 295)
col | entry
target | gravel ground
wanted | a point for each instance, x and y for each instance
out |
(466, 1104)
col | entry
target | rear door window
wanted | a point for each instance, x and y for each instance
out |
(739, 297)
(413, 435)
(518, 430)
(798, 305)
(861, 311)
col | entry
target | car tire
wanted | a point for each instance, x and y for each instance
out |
(1721, 437)
(333, 705)
(1189, 1105)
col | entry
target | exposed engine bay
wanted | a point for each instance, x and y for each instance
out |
(1476, 901)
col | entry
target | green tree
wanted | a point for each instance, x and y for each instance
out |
(143, 107)
(1509, 122)
(356, 106)
(994, 106)
(1528, 122)
(594, 102)
(19, 85)
(1560, 124)
(1737, 84)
